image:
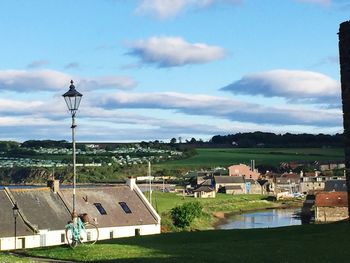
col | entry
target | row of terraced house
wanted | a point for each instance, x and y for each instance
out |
(44, 212)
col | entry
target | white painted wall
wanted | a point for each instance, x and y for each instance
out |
(53, 238)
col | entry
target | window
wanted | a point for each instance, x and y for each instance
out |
(88, 237)
(125, 207)
(63, 237)
(100, 208)
(111, 234)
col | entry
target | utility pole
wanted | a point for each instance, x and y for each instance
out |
(150, 182)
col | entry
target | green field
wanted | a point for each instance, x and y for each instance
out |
(271, 156)
(308, 243)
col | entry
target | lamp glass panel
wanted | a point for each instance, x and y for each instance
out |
(68, 102)
(77, 102)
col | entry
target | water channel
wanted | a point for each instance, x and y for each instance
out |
(263, 219)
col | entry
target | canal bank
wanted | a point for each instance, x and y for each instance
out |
(268, 218)
(223, 218)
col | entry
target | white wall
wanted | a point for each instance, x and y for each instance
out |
(53, 238)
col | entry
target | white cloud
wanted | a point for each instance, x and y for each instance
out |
(219, 107)
(51, 80)
(26, 121)
(293, 85)
(170, 8)
(109, 118)
(174, 51)
(31, 81)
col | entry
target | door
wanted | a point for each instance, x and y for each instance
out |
(21, 243)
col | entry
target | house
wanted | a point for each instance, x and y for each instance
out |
(230, 184)
(253, 186)
(310, 184)
(331, 206)
(118, 211)
(243, 170)
(204, 191)
(331, 166)
(287, 182)
(335, 185)
(42, 217)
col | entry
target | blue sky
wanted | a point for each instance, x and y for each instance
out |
(158, 69)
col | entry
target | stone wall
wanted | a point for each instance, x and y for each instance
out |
(330, 214)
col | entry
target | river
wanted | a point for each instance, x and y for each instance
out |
(262, 219)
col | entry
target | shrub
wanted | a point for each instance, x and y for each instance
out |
(183, 215)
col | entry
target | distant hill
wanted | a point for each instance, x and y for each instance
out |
(287, 140)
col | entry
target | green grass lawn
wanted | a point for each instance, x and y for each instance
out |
(6, 258)
(223, 202)
(272, 156)
(308, 243)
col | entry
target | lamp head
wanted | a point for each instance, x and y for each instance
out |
(72, 98)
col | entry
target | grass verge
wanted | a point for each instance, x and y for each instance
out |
(307, 243)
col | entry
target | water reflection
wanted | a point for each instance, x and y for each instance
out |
(263, 219)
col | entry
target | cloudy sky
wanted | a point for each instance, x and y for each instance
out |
(157, 69)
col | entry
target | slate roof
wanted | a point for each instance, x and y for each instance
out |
(229, 179)
(331, 199)
(335, 185)
(109, 198)
(45, 209)
(203, 188)
(7, 220)
(42, 207)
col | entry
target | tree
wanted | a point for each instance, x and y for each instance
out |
(173, 141)
(183, 215)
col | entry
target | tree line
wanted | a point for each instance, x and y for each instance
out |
(288, 140)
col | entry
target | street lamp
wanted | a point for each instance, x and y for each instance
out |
(73, 98)
(15, 215)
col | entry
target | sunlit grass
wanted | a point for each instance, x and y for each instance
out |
(98, 252)
(7, 258)
(307, 243)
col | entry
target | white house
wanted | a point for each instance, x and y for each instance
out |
(118, 211)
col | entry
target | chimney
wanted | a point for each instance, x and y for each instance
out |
(131, 182)
(54, 185)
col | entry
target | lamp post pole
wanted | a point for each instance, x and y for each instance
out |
(74, 164)
(73, 98)
(15, 232)
(15, 214)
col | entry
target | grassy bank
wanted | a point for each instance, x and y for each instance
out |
(164, 202)
(308, 243)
